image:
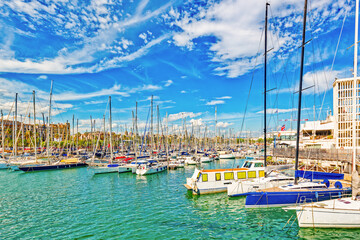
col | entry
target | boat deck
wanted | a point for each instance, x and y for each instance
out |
(277, 189)
(188, 187)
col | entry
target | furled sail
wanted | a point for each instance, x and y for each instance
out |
(355, 183)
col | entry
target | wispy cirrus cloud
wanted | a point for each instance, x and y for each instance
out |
(94, 30)
(215, 102)
(224, 97)
(233, 19)
(8, 89)
(116, 90)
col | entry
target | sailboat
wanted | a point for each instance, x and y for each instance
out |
(151, 166)
(110, 167)
(60, 164)
(272, 179)
(299, 192)
(342, 212)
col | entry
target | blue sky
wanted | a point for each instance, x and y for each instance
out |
(191, 55)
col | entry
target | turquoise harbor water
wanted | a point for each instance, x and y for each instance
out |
(73, 204)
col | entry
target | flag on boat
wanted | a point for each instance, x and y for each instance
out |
(283, 127)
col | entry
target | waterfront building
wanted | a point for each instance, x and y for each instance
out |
(313, 134)
(59, 131)
(318, 134)
(343, 109)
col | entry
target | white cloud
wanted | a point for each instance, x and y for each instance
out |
(196, 122)
(43, 77)
(143, 36)
(181, 115)
(215, 102)
(168, 83)
(224, 97)
(93, 28)
(149, 99)
(237, 26)
(95, 102)
(115, 90)
(8, 89)
(223, 124)
(276, 110)
(321, 79)
(183, 91)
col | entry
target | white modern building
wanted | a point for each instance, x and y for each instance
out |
(343, 109)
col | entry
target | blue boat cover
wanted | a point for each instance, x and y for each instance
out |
(318, 175)
(113, 165)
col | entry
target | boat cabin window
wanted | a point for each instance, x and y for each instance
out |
(204, 177)
(252, 174)
(229, 176)
(261, 174)
(241, 175)
(247, 164)
(218, 176)
(259, 164)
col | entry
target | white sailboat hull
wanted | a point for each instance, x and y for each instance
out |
(119, 169)
(190, 161)
(227, 156)
(338, 213)
(205, 160)
(240, 187)
(151, 170)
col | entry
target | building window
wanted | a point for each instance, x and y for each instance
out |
(229, 176)
(204, 177)
(218, 176)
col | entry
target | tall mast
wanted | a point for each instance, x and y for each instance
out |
(16, 124)
(49, 120)
(22, 132)
(77, 137)
(158, 127)
(104, 137)
(34, 126)
(2, 136)
(151, 126)
(215, 127)
(111, 150)
(91, 130)
(166, 139)
(133, 123)
(265, 61)
(73, 132)
(300, 92)
(354, 100)
(136, 119)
